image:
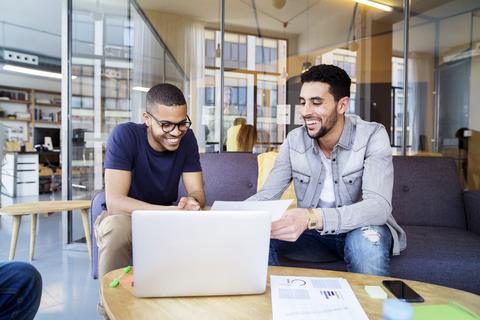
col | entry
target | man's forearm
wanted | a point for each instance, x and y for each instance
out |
(199, 196)
(126, 205)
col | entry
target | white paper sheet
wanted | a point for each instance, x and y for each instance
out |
(276, 207)
(314, 298)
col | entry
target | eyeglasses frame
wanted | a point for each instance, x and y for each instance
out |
(188, 122)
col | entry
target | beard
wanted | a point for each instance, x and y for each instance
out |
(325, 127)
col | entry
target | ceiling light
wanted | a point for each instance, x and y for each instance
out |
(306, 66)
(34, 72)
(96, 13)
(279, 4)
(353, 46)
(375, 5)
(141, 89)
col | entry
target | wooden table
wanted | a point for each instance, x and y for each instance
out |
(121, 303)
(47, 208)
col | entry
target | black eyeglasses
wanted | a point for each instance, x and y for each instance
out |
(169, 127)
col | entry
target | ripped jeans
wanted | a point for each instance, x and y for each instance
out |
(365, 250)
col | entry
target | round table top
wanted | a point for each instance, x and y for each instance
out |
(121, 302)
(44, 207)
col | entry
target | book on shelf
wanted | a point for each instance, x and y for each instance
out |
(55, 116)
(13, 95)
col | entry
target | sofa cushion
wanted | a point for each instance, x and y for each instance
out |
(266, 162)
(438, 255)
(227, 176)
(472, 210)
(427, 192)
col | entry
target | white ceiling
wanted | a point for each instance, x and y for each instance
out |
(35, 26)
(31, 26)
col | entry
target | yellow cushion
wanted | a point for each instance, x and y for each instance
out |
(265, 165)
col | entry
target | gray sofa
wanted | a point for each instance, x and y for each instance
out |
(442, 222)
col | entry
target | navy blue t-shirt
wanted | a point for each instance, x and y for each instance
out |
(155, 174)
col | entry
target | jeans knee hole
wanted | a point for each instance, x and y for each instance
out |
(371, 235)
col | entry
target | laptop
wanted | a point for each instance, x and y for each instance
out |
(200, 253)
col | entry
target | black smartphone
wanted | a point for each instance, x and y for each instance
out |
(402, 291)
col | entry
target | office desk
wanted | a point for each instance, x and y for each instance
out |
(20, 172)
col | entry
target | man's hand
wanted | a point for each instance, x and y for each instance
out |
(188, 203)
(292, 224)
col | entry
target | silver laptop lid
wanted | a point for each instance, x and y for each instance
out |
(200, 253)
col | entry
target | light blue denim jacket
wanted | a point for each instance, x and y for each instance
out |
(362, 172)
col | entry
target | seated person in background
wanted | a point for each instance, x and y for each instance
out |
(242, 136)
(343, 177)
(229, 108)
(143, 166)
(20, 290)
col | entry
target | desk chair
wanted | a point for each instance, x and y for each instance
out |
(52, 182)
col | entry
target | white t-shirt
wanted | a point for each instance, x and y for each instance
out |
(327, 197)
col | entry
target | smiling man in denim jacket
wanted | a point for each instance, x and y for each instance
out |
(343, 176)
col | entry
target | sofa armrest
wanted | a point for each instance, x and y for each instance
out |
(471, 200)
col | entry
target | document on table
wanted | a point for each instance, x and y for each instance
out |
(276, 207)
(314, 298)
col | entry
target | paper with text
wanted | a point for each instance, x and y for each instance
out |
(314, 298)
(276, 207)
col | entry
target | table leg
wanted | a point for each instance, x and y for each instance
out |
(16, 228)
(86, 228)
(33, 235)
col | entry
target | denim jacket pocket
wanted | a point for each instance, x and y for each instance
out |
(353, 184)
(300, 182)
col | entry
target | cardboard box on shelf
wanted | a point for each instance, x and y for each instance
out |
(15, 146)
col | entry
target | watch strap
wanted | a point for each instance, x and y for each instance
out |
(313, 222)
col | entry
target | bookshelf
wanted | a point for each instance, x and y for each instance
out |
(31, 106)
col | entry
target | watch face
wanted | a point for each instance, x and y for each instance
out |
(312, 225)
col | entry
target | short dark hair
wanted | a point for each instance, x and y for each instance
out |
(165, 94)
(335, 77)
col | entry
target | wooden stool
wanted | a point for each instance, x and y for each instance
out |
(47, 208)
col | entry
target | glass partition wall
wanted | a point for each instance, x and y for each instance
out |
(414, 67)
(116, 56)
(442, 73)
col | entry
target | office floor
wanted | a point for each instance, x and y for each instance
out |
(69, 291)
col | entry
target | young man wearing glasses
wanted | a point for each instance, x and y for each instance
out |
(143, 166)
